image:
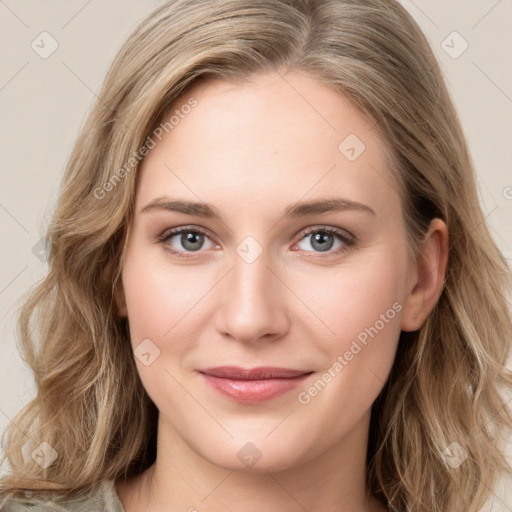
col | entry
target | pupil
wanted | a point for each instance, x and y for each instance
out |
(319, 237)
(191, 238)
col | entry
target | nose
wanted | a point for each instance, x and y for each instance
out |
(252, 302)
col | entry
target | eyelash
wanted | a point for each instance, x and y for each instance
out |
(348, 241)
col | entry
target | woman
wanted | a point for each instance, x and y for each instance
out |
(271, 286)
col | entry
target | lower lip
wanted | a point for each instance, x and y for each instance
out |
(253, 391)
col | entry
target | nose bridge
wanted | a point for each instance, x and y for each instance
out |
(252, 306)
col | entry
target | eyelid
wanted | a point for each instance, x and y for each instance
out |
(327, 229)
(167, 233)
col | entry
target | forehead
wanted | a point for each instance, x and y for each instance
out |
(284, 135)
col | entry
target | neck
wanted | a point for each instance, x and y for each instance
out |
(182, 480)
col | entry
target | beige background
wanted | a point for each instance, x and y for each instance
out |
(43, 103)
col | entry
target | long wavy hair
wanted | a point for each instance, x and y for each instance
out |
(446, 386)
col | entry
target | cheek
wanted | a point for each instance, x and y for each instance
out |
(361, 305)
(371, 299)
(147, 302)
(161, 302)
(159, 297)
(353, 297)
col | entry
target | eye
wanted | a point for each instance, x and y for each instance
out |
(185, 240)
(188, 240)
(323, 239)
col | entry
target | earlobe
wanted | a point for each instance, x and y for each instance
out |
(431, 263)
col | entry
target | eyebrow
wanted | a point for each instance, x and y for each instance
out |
(296, 210)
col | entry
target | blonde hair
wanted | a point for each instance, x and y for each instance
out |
(446, 382)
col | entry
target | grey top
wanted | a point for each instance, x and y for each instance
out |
(104, 499)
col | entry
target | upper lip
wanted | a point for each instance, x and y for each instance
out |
(259, 373)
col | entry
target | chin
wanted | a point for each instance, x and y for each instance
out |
(258, 457)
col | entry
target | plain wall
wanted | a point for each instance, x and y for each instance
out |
(44, 101)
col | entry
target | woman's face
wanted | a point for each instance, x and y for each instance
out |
(274, 281)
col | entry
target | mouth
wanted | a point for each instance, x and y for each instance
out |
(253, 385)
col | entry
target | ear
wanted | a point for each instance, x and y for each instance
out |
(120, 299)
(428, 274)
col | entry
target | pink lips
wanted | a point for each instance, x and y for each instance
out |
(255, 384)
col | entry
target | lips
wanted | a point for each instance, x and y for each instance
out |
(263, 372)
(252, 385)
